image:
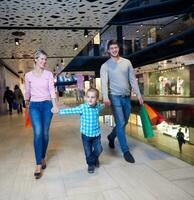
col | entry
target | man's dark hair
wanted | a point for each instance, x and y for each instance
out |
(111, 42)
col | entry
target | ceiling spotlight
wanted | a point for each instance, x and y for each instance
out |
(75, 47)
(12, 57)
(86, 33)
(17, 42)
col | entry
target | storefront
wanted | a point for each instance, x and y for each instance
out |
(173, 81)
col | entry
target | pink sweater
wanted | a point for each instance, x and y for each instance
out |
(39, 88)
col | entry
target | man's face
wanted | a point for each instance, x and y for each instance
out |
(113, 50)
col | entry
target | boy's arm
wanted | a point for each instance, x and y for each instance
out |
(68, 111)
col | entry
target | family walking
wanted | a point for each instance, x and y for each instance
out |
(40, 97)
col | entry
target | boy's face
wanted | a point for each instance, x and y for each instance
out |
(91, 98)
(113, 50)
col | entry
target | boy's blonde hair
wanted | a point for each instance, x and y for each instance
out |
(93, 90)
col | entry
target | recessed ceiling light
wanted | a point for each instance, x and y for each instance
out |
(17, 42)
(86, 33)
(75, 47)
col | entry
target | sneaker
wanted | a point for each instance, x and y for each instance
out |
(111, 142)
(97, 163)
(128, 157)
(91, 169)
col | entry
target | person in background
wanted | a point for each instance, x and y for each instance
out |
(117, 79)
(9, 97)
(19, 98)
(181, 140)
(40, 95)
(89, 126)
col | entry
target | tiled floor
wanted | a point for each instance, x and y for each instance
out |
(155, 175)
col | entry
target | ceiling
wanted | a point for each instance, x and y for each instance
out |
(53, 25)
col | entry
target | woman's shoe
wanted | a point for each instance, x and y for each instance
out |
(37, 175)
(44, 166)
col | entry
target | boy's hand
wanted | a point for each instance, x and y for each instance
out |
(54, 109)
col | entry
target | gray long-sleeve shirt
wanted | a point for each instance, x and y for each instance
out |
(117, 78)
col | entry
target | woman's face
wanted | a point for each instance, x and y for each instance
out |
(41, 61)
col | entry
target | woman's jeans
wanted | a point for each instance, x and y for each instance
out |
(121, 107)
(92, 148)
(40, 116)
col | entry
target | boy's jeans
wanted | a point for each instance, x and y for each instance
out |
(121, 107)
(92, 148)
(40, 116)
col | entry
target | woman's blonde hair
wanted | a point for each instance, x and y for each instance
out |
(38, 52)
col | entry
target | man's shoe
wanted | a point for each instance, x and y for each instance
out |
(111, 142)
(91, 169)
(97, 163)
(128, 157)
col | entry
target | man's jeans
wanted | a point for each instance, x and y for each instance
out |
(92, 148)
(121, 107)
(40, 116)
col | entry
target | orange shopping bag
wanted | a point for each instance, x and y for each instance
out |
(27, 119)
(152, 114)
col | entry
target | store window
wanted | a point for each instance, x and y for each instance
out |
(169, 82)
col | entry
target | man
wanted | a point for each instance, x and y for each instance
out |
(9, 97)
(117, 78)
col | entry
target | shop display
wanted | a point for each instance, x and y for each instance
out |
(172, 130)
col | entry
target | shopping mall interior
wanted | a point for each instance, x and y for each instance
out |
(157, 37)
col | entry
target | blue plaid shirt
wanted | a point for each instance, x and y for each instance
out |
(89, 118)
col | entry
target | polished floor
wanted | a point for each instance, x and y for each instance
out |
(155, 175)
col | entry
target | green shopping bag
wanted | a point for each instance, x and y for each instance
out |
(146, 125)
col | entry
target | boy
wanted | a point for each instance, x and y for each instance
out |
(89, 126)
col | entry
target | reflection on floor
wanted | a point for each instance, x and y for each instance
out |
(155, 175)
(164, 143)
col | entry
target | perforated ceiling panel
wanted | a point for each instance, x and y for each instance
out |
(37, 14)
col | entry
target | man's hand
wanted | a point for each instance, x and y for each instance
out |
(106, 102)
(54, 109)
(141, 101)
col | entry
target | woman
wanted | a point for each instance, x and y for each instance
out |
(19, 98)
(40, 92)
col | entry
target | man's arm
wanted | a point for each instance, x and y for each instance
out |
(134, 83)
(104, 83)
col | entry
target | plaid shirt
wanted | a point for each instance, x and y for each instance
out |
(89, 118)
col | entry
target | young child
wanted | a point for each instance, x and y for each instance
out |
(89, 126)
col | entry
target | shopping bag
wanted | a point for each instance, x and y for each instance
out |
(152, 114)
(27, 119)
(160, 118)
(146, 125)
(15, 105)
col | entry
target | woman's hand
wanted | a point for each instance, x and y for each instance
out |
(27, 103)
(54, 109)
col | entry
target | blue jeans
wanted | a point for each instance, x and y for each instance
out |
(121, 107)
(92, 148)
(40, 116)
